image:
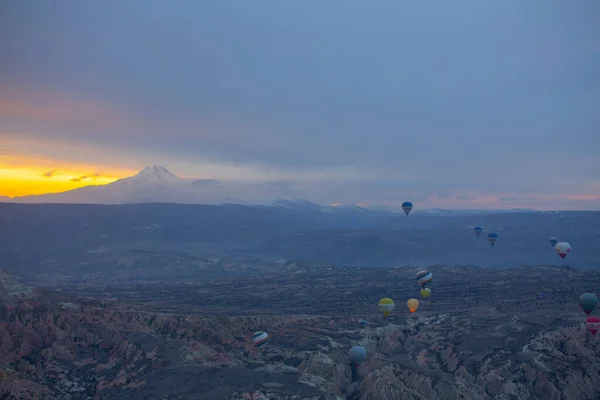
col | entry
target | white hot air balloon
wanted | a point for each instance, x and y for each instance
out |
(562, 248)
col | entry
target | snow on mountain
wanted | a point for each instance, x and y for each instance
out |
(154, 175)
(154, 184)
(305, 205)
(298, 205)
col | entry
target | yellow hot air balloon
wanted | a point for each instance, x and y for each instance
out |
(412, 304)
(386, 305)
(425, 292)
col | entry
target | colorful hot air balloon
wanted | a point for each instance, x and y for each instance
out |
(492, 237)
(357, 354)
(588, 302)
(406, 207)
(425, 292)
(553, 241)
(593, 324)
(412, 304)
(386, 305)
(260, 339)
(478, 229)
(424, 278)
(562, 248)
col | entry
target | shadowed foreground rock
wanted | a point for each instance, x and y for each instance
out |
(499, 343)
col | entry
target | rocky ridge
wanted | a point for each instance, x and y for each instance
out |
(57, 347)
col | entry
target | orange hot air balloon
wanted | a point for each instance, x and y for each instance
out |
(412, 304)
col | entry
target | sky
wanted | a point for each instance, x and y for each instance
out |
(450, 104)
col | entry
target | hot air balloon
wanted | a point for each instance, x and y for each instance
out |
(386, 305)
(478, 229)
(425, 292)
(424, 277)
(363, 322)
(260, 339)
(593, 324)
(562, 248)
(357, 354)
(588, 302)
(406, 207)
(553, 241)
(412, 304)
(492, 237)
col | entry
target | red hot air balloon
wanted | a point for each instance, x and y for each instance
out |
(593, 324)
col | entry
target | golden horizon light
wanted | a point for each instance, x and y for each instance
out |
(24, 180)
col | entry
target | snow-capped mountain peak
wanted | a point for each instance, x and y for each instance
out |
(154, 174)
(155, 171)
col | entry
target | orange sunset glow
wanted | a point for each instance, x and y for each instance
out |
(50, 177)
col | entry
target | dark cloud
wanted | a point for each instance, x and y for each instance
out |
(79, 178)
(474, 98)
(49, 174)
(85, 177)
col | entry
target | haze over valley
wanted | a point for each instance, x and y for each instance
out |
(271, 200)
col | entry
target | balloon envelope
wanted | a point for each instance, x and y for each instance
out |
(260, 338)
(412, 304)
(553, 241)
(593, 324)
(357, 354)
(588, 302)
(478, 229)
(562, 248)
(407, 206)
(386, 305)
(492, 237)
(425, 292)
(424, 278)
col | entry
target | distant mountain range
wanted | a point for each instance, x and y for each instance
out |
(155, 184)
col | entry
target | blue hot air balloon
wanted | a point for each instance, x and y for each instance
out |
(406, 207)
(357, 354)
(553, 241)
(478, 229)
(588, 302)
(492, 237)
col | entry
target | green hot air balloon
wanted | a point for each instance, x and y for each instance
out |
(588, 302)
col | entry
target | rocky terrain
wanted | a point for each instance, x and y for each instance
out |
(483, 334)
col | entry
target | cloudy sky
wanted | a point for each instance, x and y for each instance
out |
(452, 104)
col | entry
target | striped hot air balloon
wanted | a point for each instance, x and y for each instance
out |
(260, 339)
(492, 237)
(424, 278)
